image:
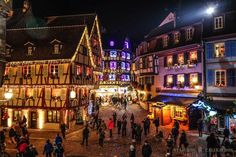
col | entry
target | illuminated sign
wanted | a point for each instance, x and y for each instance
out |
(112, 77)
(127, 44)
(123, 65)
(113, 54)
(127, 55)
(128, 66)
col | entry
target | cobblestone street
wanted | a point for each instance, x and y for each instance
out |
(115, 146)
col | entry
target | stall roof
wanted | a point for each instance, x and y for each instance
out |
(181, 101)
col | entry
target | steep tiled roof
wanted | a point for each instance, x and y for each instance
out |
(41, 38)
(68, 20)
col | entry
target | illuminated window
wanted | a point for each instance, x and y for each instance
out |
(27, 70)
(88, 71)
(113, 54)
(169, 61)
(112, 77)
(113, 65)
(128, 66)
(180, 80)
(181, 58)
(123, 55)
(165, 41)
(53, 116)
(56, 49)
(17, 115)
(6, 73)
(123, 65)
(193, 56)
(30, 50)
(218, 22)
(220, 78)
(54, 69)
(169, 80)
(78, 70)
(176, 37)
(189, 33)
(127, 55)
(219, 49)
(193, 79)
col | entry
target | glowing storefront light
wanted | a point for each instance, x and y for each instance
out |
(9, 120)
(40, 119)
(72, 94)
(8, 95)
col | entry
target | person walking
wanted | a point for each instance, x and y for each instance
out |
(146, 126)
(114, 115)
(226, 133)
(58, 139)
(63, 130)
(170, 145)
(132, 120)
(146, 149)
(59, 151)
(101, 137)
(175, 133)
(139, 131)
(119, 125)
(183, 140)
(156, 123)
(124, 125)
(211, 144)
(132, 151)
(110, 126)
(48, 149)
(200, 127)
(85, 136)
(12, 135)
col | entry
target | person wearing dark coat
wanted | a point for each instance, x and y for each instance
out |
(59, 151)
(200, 127)
(63, 130)
(48, 149)
(146, 149)
(114, 115)
(12, 135)
(85, 136)
(211, 144)
(156, 123)
(30, 151)
(101, 137)
(183, 140)
(119, 123)
(132, 151)
(226, 146)
(226, 133)
(124, 125)
(175, 133)
(58, 139)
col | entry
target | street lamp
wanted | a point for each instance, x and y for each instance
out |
(8, 94)
(210, 10)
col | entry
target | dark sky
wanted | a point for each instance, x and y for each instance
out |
(133, 18)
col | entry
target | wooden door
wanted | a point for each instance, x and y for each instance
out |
(33, 120)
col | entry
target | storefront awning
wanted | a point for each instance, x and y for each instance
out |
(174, 100)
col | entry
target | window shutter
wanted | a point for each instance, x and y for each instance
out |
(186, 80)
(165, 61)
(228, 48)
(175, 60)
(186, 57)
(233, 48)
(199, 56)
(33, 70)
(165, 81)
(175, 80)
(19, 71)
(231, 77)
(200, 79)
(210, 77)
(60, 70)
(45, 70)
(209, 47)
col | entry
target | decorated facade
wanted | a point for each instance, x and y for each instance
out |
(51, 70)
(116, 68)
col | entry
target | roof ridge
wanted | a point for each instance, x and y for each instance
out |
(48, 27)
(71, 15)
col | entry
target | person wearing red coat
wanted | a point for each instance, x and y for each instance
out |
(110, 126)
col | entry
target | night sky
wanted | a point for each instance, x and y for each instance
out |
(119, 18)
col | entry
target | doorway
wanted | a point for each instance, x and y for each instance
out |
(33, 120)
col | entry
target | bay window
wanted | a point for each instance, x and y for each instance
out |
(220, 78)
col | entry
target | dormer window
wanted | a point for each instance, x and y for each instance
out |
(165, 41)
(176, 37)
(56, 49)
(29, 48)
(30, 51)
(189, 33)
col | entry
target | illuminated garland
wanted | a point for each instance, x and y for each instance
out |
(15, 63)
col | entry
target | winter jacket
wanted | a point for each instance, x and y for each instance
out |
(146, 150)
(156, 122)
(48, 148)
(58, 140)
(12, 133)
(110, 124)
(86, 132)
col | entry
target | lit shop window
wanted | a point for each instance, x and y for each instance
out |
(219, 49)
(113, 65)
(17, 115)
(112, 77)
(169, 80)
(165, 41)
(181, 58)
(180, 80)
(193, 79)
(220, 78)
(193, 56)
(53, 116)
(218, 22)
(169, 61)
(113, 53)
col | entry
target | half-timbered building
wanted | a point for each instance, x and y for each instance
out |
(51, 70)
